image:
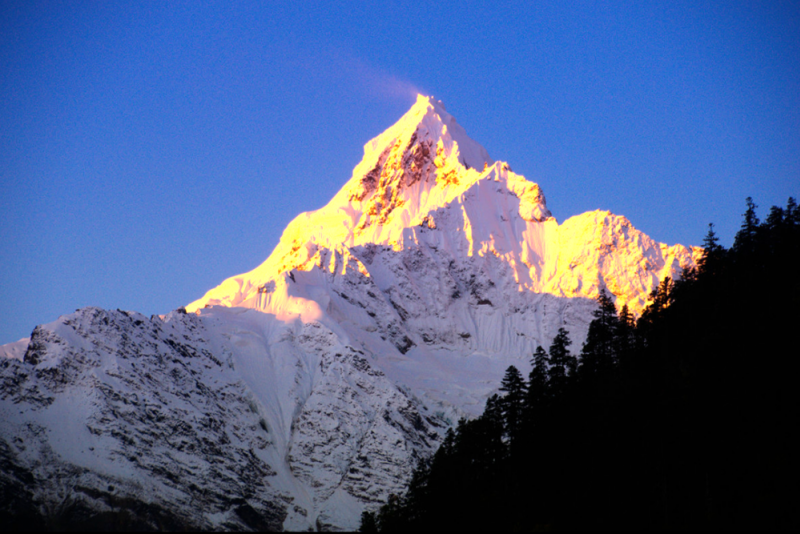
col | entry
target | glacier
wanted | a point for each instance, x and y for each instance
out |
(299, 394)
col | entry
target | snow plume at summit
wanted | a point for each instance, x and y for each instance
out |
(303, 392)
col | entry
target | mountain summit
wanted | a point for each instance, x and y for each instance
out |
(303, 392)
(425, 182)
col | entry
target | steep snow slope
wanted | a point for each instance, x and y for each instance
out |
(297, 394)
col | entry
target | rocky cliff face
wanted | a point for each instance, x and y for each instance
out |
(297, 394)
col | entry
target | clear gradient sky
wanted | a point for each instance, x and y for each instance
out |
(151, 150)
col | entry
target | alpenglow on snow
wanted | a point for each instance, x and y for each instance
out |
(301, 393)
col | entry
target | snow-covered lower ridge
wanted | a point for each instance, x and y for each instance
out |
(298, 394)
(231, 420)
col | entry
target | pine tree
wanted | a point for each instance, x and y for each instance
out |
(712, 253)
(392, 515)
(775, 218)
(537, 380)
(491, 429)
(625, 341)
(792, 214)
(513, 402)
(369, 522)
(660, 299)
(598, 354)
(745, 240)
(418, 497)
(561, 362)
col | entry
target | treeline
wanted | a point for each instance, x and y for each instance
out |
(688, 418)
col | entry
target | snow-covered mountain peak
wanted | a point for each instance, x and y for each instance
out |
(304, 391)
(421, 165)
(424, 184)
(429, 118)
(426, 132)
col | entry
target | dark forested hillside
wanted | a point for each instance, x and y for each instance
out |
(688, 417)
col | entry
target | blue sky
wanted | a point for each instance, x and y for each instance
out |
(149, 151)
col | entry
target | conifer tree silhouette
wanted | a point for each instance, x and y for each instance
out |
(598, 354)
(561, 362)
(512, 404)
(538, 387)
